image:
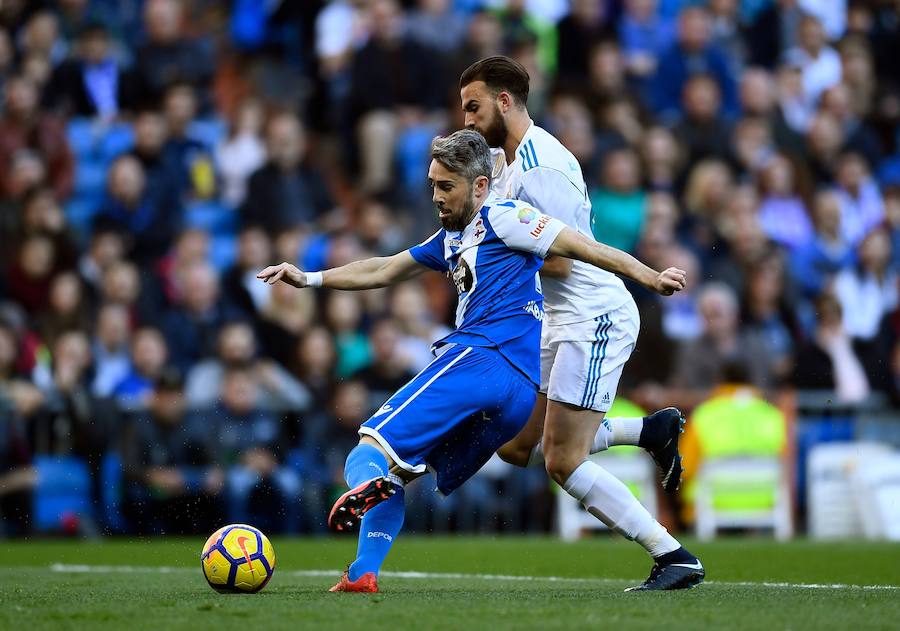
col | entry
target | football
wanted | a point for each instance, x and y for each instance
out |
(237, 559)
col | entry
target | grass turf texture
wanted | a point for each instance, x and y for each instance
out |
(37, 596)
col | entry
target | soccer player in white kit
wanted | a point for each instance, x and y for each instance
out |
(590, 328)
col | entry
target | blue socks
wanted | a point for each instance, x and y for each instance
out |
(379, 528)
(364, 462)
(381, 524)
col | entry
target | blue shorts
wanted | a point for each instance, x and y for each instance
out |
(454, 414)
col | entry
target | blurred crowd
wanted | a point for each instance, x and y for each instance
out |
(155, 154)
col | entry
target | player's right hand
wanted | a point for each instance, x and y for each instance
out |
(284, 272)
(670, 280)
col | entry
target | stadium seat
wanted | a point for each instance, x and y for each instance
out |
(62, 492)
(222, 251)
(212, 217)
(877, 485)
(830, 470)
(111, 478)
(630, 465)
(209, 131)
(743, 493)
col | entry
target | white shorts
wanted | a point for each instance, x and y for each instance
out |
(581, 363)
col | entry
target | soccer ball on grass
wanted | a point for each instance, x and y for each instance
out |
(237, 559)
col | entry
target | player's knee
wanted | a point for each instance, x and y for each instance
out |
(560, 465)
(514, 454)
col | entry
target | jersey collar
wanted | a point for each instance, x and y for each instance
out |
(523, 148)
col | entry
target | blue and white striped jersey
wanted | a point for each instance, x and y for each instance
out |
(494, 263)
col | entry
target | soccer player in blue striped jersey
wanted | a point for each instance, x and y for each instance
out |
(479, 391)
(589, 331)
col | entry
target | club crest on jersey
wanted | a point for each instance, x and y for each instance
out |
(480, 231)
(526, 215)
(539, 228)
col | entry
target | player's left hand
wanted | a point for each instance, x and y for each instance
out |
(669, 281)
(284, 272)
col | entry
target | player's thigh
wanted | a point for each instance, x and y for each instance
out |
(569, 431)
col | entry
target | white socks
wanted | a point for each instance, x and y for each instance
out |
(612, 432)
(617, 431)
(610, 501)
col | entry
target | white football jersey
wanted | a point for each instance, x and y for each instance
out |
(546, 175)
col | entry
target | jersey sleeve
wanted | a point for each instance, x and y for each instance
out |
(552, 192)
(524, 228)
(430, 252)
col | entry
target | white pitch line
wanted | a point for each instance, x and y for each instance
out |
(147, 569)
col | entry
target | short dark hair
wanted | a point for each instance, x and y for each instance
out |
(465, 152)
(500, 74)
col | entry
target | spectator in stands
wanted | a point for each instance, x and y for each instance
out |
(110, 349)
(435, 24)
(681, 318)
(74, 422)
(770, 314)
(91, 83)
(242, 152)
(121, 284)
(394, 84)
(168, 454)
(28, 279)
(606, 78)
(736, 420)
(690, 55)
(168, 55)
(418, 328)
(251, 446)
(237, 347)
(619, 204)
(662, 159)
(389, 369)
(577, 32)
(68, 308)
(701, 362)
(815, 264)
(286, 193)
(150, 135)
(42, 214)
(782, 213)
(752, 145)
(240, 286)
(758, 95)
(189, 157)
(702, 129)
(862, 207)
(149, 218)
(868, 290)
(820, 65)
(349, 408)
(283, 320)
(646, 36)
(24, 126)
(149, 356)
(858, 137)
(828, 360)
(314, 364)
(822, 147)
(774, 31)
(192, 325)
(19, 402)
(343, 312)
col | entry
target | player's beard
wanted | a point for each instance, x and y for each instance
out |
(496, 132)
(457, 222)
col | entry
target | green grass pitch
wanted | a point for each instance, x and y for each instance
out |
(470, 583)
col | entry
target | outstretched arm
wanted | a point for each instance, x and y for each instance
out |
(572, 244)
(370, 273)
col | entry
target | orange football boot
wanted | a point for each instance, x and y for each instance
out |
(367, 583)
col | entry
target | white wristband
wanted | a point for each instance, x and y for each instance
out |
(314, 279)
